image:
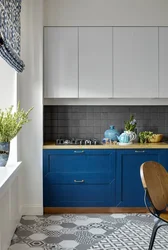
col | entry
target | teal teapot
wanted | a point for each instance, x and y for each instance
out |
(124, 138)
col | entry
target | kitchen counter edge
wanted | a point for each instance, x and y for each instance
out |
(160, 145)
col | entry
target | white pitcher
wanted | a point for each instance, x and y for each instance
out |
(131, 134)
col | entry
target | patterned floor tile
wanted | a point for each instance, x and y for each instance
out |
(52, 240)
(54, 228)
(87, 222)
(87, 231)
(82, 246)
(84, 237)
(68, 244)
(132, 236)
(27, 222)
(55, 218)
(38, 237)
(23, 233)
(37, 248)
(68, 225)
(19, 246)
(29, 217)
(35, 243)
(97, 230)
(65, 231)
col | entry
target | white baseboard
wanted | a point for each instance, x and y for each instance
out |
(32, 209)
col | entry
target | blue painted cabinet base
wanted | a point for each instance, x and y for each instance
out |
(75, 178)
(129, 190)
(96, 178)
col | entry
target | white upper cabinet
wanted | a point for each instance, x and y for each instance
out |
(163, 62)
(135, 62)
(95, 62)
(60, 62)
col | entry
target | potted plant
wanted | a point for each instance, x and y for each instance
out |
(10, 124)
(145, 136)
(130, 127)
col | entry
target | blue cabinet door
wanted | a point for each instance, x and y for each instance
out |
(129, 190)
(79, 178)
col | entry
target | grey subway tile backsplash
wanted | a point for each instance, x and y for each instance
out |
(82, 123)
(74, 123)
(92, 121)
(97, 122)
(97, 130)
(89, 116)
(54, 116)
(97, 116)
(90, 109)
(104, 116)
(161, 116)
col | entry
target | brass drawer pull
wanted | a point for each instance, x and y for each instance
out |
(79, 152)
(78, 181)
(139, 151)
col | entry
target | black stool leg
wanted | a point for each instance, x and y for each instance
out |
(157, 225)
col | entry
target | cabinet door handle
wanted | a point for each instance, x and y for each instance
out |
(79, 152)
(139, 151)
(78, 181)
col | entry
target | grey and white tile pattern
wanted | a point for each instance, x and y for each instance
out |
(92, 121)
(133, 236)
(88, 231)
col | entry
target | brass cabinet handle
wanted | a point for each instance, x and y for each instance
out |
(139, 151)
(79, 152)
(78, 181)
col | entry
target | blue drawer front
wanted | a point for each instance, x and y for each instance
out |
(88, 195)
(77, 178)
(79, 161)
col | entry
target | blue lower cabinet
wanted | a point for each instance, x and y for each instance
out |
(129, 190)
(96, 178)
(79, 178)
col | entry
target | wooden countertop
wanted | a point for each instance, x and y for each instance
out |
(159, 145)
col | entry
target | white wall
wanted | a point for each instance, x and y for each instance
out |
(8, 97)
(30, 85)
(106, 13)
(7, 85)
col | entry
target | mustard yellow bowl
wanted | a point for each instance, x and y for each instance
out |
(156, 138)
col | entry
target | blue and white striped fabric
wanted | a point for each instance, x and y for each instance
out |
(10, 33)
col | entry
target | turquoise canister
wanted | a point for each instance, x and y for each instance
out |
(111, 133)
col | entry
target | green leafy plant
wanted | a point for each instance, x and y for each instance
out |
(12, 122)
(130, 125)
(144, 136)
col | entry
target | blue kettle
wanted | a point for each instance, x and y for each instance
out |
(124, 138)
(111, 133)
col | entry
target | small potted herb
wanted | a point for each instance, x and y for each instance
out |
(10, 125)
(145, 136)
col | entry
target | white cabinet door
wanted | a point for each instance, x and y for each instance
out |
(135, 62)
(60, 62)
(95, 62)
(163, 62)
